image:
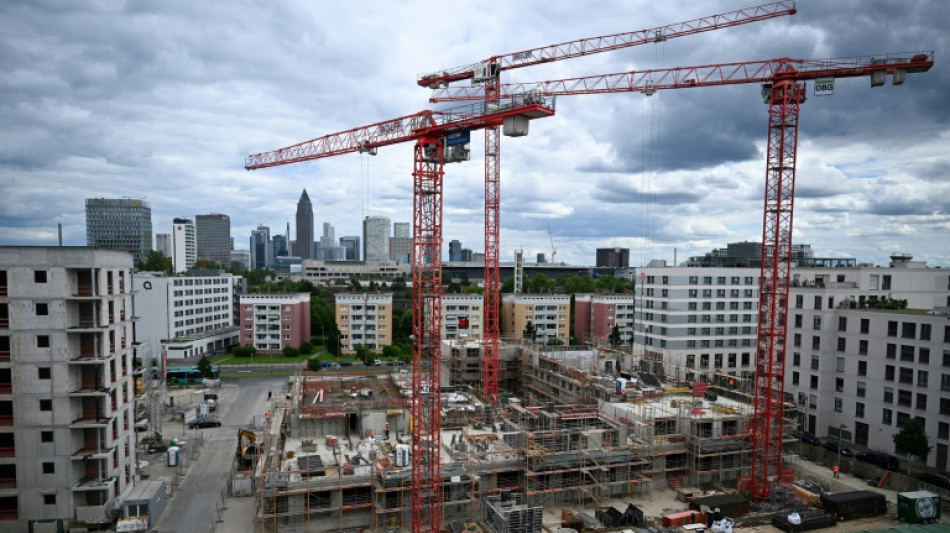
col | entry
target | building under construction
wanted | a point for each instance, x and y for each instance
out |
(578, 431)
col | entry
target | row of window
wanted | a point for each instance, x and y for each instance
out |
(187, 282)
(717, 360)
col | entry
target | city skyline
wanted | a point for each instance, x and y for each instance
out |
(152, 110)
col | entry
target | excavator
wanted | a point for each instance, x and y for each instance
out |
(246, 448)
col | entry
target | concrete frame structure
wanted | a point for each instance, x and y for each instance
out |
(548, 313)
(595, 316)
(120, 224)
(66, 386)
(192, 315)
(271, 321)
(364, 319)
(213, 233)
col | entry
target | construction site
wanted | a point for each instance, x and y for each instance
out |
(334, 454)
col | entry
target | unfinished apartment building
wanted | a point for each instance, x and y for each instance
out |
(335, 454)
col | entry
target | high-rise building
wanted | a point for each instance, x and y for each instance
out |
(455, 250)
(613, 257)
(262, 249)
(120, 224)
(184, 245)
(400, 249)
(214, 238)
(163, 243)
(401, 230)
(376, 238)
(68, 395)
(351, 243)
(280, 245)
(305, 235)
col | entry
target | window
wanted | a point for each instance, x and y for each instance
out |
(838, 404)
(798, 321)
(42, 309)
(814, 362)
(839, 364)
(888, 395)
(42, 341)
(813, 382)
(797, 342)
(842, 344)
(862, 368)
(816, 322)
(859, 410)
(923, 356)
(904, 398)
(796, 359)
(794, 378)
(889, 373)
(842, 323)
(943, 430)
(49, 468)
(906, 375)
(49, 499)
(39, 276)
(921, 401)
(922, 376)
(861, 391)
(945, 406)
(44, 372)
(891, 328)
(815, 342)
(886, 416)
(839, 384)
(46, 436)
(799, 301)
(925, 332)
(865, 325)
(945, 382)
(907, 353)
(863, 347)
(46, 405)
(891, 351)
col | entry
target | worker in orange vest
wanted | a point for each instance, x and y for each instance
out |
(835, 469)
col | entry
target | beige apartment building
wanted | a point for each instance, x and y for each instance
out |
(548, 314)
(364, 319)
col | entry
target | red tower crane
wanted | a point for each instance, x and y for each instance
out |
(435, 134)
(784, 91)
(487, 74)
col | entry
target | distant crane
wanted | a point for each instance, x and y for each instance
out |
(487, 73)
(553, 248)
(783, 89)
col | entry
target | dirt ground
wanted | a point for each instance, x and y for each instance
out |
(664, 499)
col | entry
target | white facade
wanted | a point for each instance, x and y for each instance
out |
(66, 385)
(330, 272)
(163, 243)
(184, 244)
(376, 238)
(194, 313)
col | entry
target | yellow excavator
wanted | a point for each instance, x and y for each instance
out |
(246, 448)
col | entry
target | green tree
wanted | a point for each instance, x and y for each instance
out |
(244, 351)
(313, 364)
(364, 354)
(156, 262)
(578, 284)
(913, 439)
(291, 351)
(306, 347)
(615, 336)
(508, 285)
(530, 333)
(539, 284)
(204, 366)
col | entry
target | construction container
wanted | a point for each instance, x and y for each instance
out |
(803, 521)
(146, 500)
(920, 507)
(731, 505)
(855, 504)
(683, 518)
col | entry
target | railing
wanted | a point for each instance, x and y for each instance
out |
(4, 323)
(7, 451)
(8, 514)
(5, 356)
(85, 290)
(6, 420)
(6, 388)
(3, 290)
(7, 483)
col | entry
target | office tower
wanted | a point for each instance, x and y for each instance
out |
(184, 247)
(352, 245)
(280, 245)
(455, 250)
(66, 348)
(214, 238)
(400, 249)
(262, 251)
(613, 257)
(328, 238)
(120, 224)
(401, 230)
(163, 243)
(305, 227)
(376, 238)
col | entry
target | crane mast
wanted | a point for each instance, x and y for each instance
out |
(487, 74)
(428, 129)
(784, 92)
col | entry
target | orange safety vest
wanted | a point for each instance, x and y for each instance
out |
(836, 468)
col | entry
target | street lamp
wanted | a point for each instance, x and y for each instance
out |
(840, 427)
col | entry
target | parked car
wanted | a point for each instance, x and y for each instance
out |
(879, 459)
(806, 437)
(833, 446)
(937, 480)
(204, 423)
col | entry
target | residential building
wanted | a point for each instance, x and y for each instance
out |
(66, 387)
(596, 316)
(262, 249)
(376, 238)
(269, 322)
(547, 314)
(613, 257)
(365, 319)
(192, 315)
(466, 255)
(120, 224)
(402, 230)
(462, 316)
(455, 250)
(163, 243)
(400, 249)
(184, 244)
(304, 220)
(213, 233)
(351, 245)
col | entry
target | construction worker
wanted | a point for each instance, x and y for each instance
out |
(387, 430)
(835, 471)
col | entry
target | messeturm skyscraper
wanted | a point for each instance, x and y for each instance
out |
(305, 227)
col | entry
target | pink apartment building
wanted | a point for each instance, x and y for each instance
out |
(271, 321)
(595, 316)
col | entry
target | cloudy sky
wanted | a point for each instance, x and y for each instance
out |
(163, 101)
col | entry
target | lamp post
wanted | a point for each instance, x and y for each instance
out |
(840, 427)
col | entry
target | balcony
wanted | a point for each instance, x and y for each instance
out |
(87, 454)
